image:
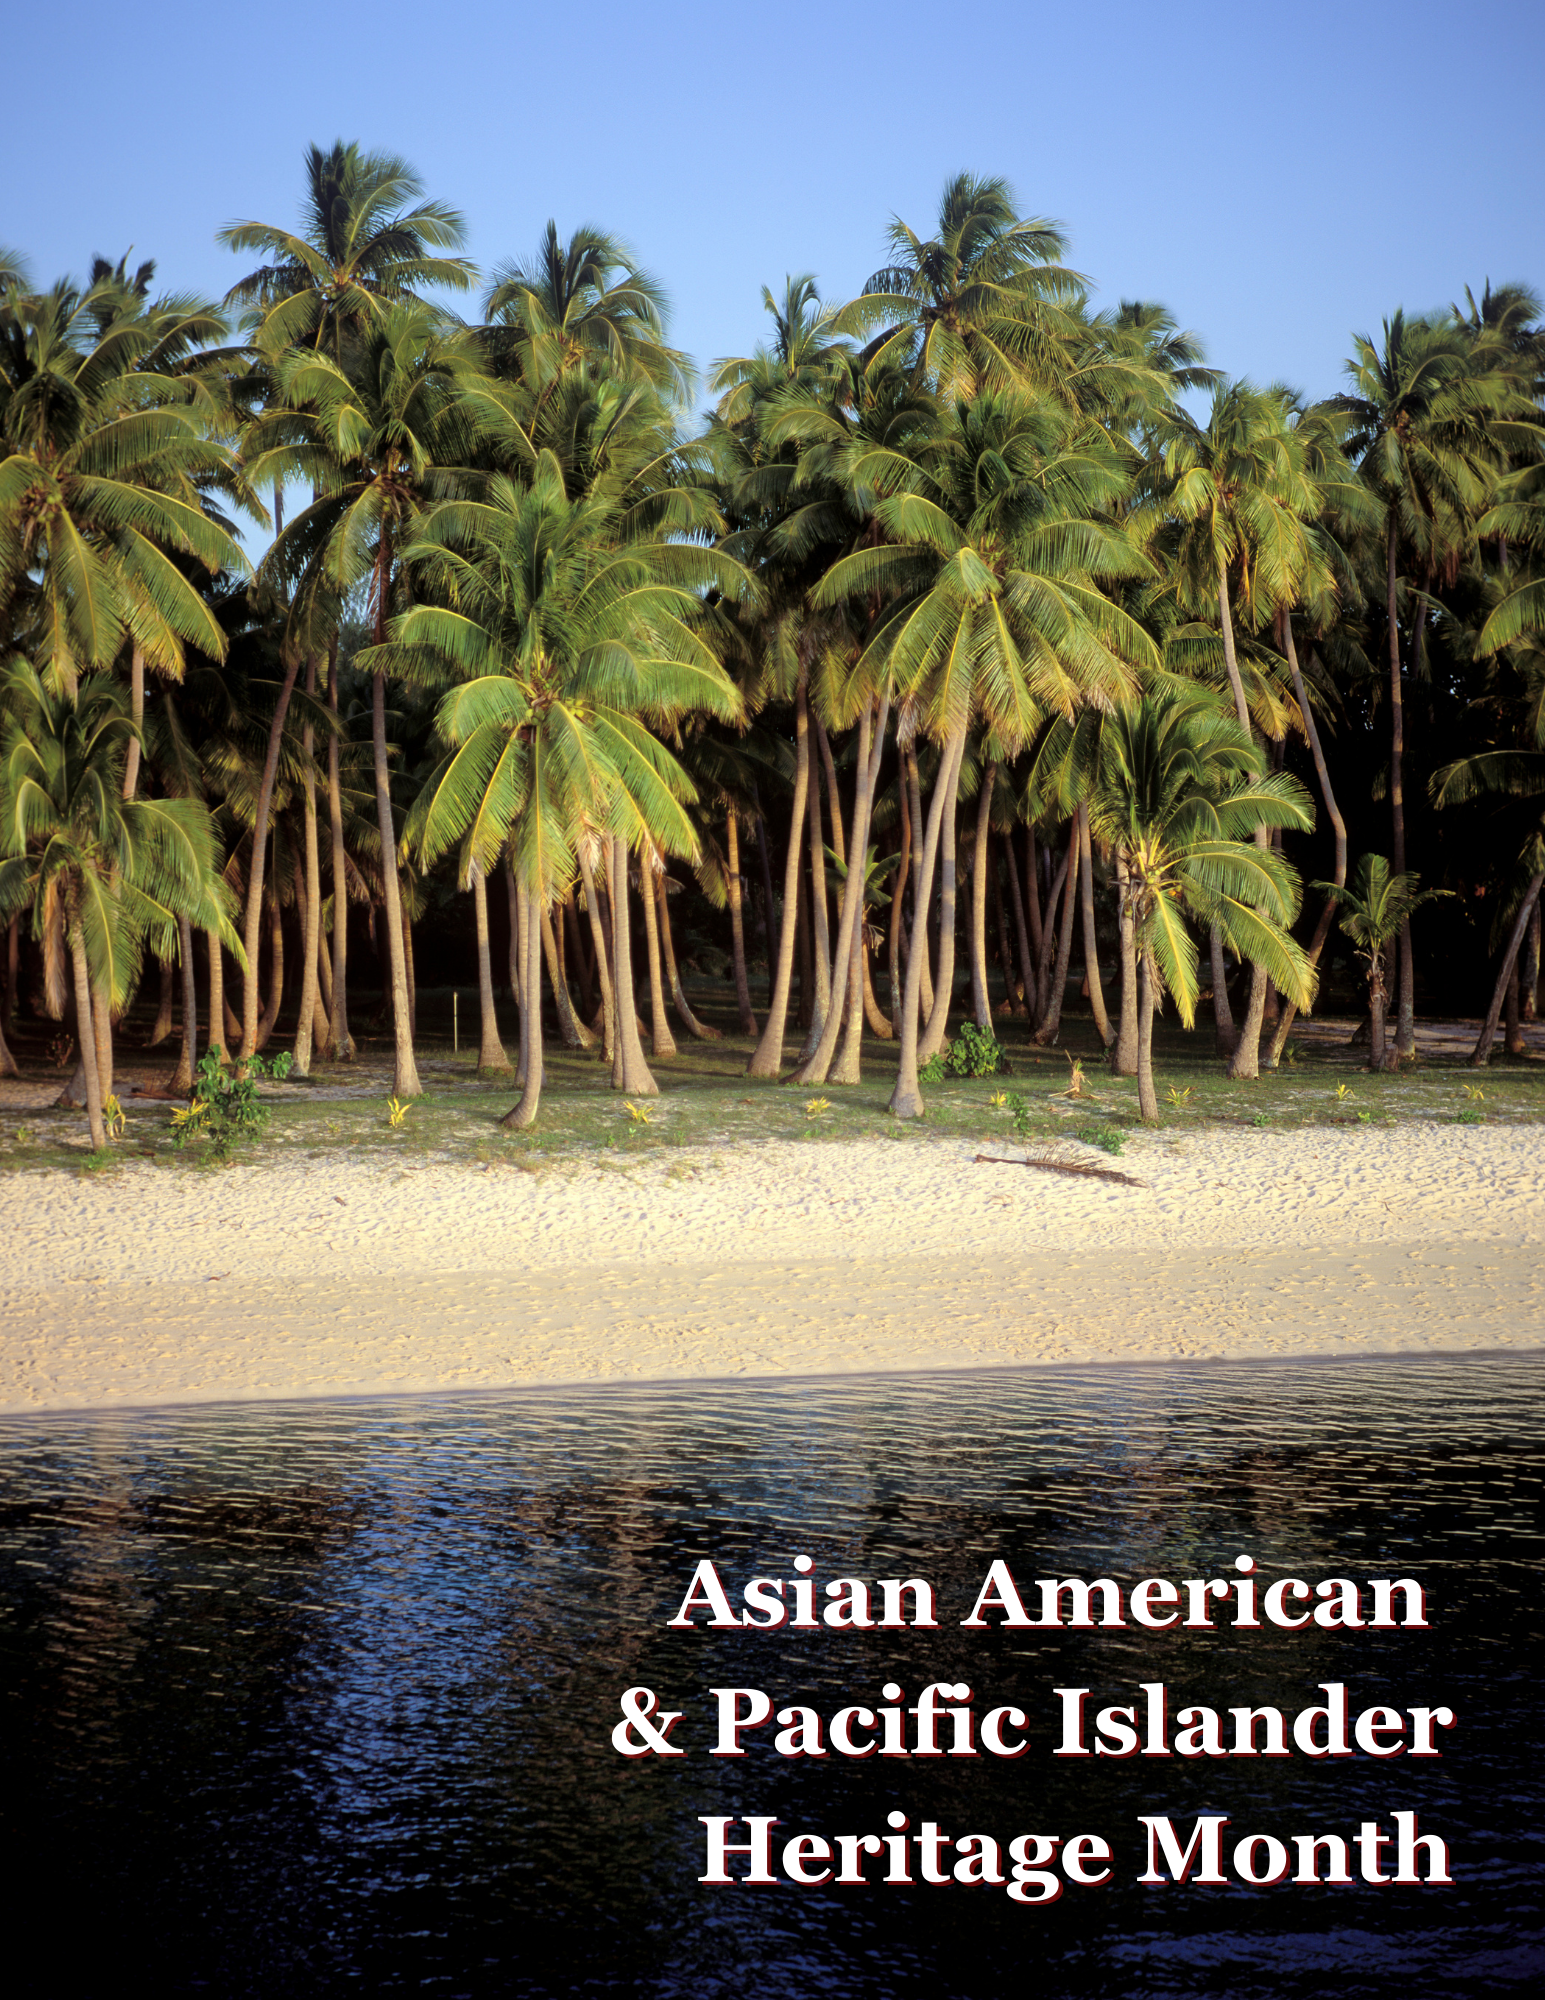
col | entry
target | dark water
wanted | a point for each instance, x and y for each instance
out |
(319, 1698)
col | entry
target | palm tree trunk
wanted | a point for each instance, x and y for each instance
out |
(1049, 935)
(1245, 1063)
(630, 1072)
(517, 936)
(1021, 931)
(871, 746)
(312, 945)
(664, 1042)
(88, 1052)
(898, 893)
(1051, 1016)
(767, 1057)
(13, 970)
(766, 915)
(907, 1097)
(137, 716)
(1531, 979)
(1033, 894)
(1513, 1039)
(1481, 1054)
(216, 997)
(1225, 1035)
(163, 1022)
(571, 1028)
(270, 1018)
(1333, 812)
(1011, 1000)
(915, 801)
(932, 1038)
(981, 1003)
(1091, 940)
(820, 923)
(187, 1060)
(737, 923)
(1405, 1024)
(491, 1058)
(405, 1076)
(879, 1021)
(342, 1040)
(1124, 1056)
(8, 1066)
(694, 1027)
(525, 1110)
(602, 966)
(847, 1064)
(1147, 1097)
(580, 957)
(1378, 1057)
(265, 798)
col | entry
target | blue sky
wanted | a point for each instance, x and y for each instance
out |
(1278, 176)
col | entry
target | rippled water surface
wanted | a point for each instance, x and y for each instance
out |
(319, 1698)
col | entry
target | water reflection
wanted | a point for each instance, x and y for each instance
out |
(315, 1698)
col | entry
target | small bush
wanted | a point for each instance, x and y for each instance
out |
(932, 1071)
(1109, 1138)
(224, 1106)
(975, 1052)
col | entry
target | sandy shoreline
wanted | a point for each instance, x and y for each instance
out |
(332, 1277)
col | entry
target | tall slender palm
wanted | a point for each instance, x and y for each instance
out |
(1179, 795)
(103, 875)
(1238, 489)
(401, 423)
(1429, 438)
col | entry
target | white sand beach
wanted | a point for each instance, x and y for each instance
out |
(336, 1277)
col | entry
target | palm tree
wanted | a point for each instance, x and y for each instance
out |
(990, 581)
(103, 875)
(360, 247)
(1375, 907)
(1179, 795)
(566, 641)
(401, 424)
(1427, 440)
(983, 303)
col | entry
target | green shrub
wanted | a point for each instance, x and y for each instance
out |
(932, 1071)
(224, 1106)
(975, 1052)
(1108, 1138)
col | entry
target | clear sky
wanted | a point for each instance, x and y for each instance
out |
(1277, 175)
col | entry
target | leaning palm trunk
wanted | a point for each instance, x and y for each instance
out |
(664, 1042)
(871, 747)
(898, 892)
(137, 716)
(405, 1077)
(694, 1027)
(602, 965)
(525, 1110)
(1091, 942)
(571, 1029)
(629, 1070)
(879, 1021)
(732, 888)
(1225, 1034)
(270, 1018)
(187, 1060)
(981, 1000)
(102, 1031)
(216, 997)
(1049, 936)
(1481, 1054)
(1147, 1097)
(820, 926)
(517, 935)
(932, 1038)
(848, 1063)
(265, 798)
(1124, 1049)
(907, 1097)
(767, 1057)
(1327, 915)
(491, 1058)
(7, 1060)
(1245, 1063)
(163, 1023)
(1051, 1014)
(342, 1041)
(313, 932)
(88, 1053)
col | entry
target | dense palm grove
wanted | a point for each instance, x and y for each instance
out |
(968, 621)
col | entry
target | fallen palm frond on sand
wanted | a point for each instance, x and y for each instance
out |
(1056, 1164)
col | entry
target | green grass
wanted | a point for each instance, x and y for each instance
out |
(706, 1102)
